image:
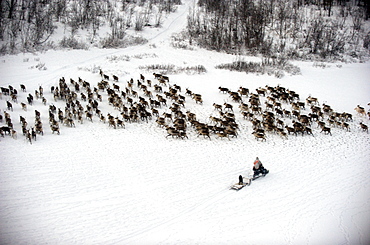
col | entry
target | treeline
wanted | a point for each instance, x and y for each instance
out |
(27, 25)
(298, 29)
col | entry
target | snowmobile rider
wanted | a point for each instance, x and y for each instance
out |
(258, 167)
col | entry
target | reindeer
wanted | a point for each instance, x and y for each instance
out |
(197, 98)
(244, 107)
(134, 94)
(167, 116)
(256, 110)
(346, 126)
(222, 134)
(55, 128)
(148, 93)
(157, 76)
(217, 106)
(116, 87)
(28, 136)
(14, 97)
(69, 122)
(280, 123)
(39, 129)
(228, 106)
(112, 123)
(243, 91)
(231, 131)
(13, 133)
(236, 97)
(172, 132)
(269, 106)
(203, 131)
(162, 82)
(23, 87)
(5, 129)
(307, 130)
(37, 114)
(326, 130)
(33, 134)
(158, 88)
(258, 136)
(215, 120)
(261, 91)
(22, 120)
(120, 123)
(223, 90)
(182, 135)
(30, 99)
(360, 110)
(161, 121)
(282, 133)
(9, 106)
(165, 78)
(291, 130)
(311, 100)
(89, 115)
(5, 91)
(247, 115)
(188, 92)
(364, 127)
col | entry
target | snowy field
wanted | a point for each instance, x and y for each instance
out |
(94, 184)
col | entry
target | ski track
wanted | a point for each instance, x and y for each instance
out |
(134, 186)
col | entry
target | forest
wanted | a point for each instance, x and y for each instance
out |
(27, 25)
(295, 29)
(289, 29)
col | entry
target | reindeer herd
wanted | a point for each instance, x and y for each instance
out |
(268, 110)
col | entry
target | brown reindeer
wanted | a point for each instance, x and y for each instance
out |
(282, 133)
(13, 133)
(161, 121)
(222, 134)
(258, 136)
(243, 91)
(326, 130)
(55, 127)
(204, 131)
(291, 130)
(360, 110)
(120, 123)
(346, 126)
(197, 98)
(172, 132)
(364, 127)
(311, 100)
(112, 123)
(223, 90)
(217, 107)
(228, 106)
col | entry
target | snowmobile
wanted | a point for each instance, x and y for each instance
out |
(261, 172)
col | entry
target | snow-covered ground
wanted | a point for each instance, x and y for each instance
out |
(93, 184)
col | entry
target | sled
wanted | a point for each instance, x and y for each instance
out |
(238, 186)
